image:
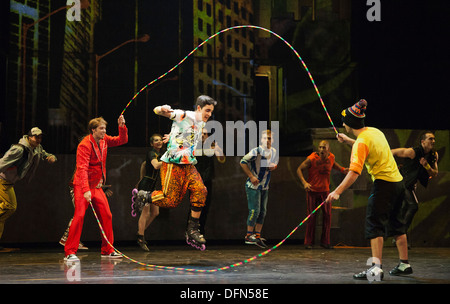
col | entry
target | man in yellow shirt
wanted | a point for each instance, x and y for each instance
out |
(372, 150)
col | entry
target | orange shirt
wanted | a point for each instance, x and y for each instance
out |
(319, 172)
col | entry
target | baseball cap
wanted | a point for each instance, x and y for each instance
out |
(35, 131)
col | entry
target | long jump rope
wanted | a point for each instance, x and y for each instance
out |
(169, 268)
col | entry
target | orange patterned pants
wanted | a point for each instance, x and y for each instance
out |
(176, 180)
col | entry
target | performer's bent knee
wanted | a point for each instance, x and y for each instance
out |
(198, 196)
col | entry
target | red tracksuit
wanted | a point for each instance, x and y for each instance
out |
(90, 174)
(319, 178)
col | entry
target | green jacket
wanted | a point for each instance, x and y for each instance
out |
(21, 159)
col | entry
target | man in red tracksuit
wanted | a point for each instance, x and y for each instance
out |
(89, 177)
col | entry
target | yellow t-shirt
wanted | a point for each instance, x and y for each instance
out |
(372, 149)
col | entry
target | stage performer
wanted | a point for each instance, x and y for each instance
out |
(317, 186)
(20, 161)
(150, 180)
(372, 149)
(90, 176)
(178, 172)
(420, 165)
(258, 165)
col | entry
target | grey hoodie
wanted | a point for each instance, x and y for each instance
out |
(15, 165)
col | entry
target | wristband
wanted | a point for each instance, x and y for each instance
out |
(427, 166)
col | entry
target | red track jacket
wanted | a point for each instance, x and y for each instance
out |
(91, 159)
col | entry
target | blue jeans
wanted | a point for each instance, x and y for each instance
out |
(257, 206)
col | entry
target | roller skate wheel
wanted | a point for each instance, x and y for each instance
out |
(133, 210)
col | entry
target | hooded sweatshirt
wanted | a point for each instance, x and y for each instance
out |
(20, 160)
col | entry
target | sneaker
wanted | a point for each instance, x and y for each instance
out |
(250, 239)
(401, 269)
(253, 240)
(82, 246)
(112, 255)
(71, 258)
(260, 242)
(375, 273)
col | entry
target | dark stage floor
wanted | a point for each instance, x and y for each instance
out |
(287, 264)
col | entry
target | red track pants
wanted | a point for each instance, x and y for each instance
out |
(314, 199)
(101, 206)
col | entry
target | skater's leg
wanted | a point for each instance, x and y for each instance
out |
(197, 189)
(198, 193)
(196, 214)
(205, 209)
(193, 235)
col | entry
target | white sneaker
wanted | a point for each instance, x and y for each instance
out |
(71, 258)
(112, 255)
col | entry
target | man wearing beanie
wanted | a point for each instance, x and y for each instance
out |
(372, 149)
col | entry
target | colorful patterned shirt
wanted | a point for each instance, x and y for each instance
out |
(184, 135)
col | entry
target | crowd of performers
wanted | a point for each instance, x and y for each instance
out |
(169, 172)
